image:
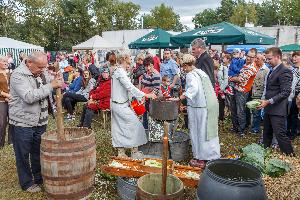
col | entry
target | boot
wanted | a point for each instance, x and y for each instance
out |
(121, 153)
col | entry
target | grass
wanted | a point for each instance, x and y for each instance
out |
(105, 187)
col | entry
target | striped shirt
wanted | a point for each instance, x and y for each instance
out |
(247, 75)
(151, 81)
(43, 120)
(296, 76)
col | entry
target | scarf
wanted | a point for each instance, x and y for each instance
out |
(212, 106)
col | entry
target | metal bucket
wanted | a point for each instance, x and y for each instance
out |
(126, 188)
(164, 110)
(179, 146)
(152, 148)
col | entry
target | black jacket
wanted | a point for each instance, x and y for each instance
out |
(278, 88)
(205, 63)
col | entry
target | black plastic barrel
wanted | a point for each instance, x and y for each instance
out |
(230, 180)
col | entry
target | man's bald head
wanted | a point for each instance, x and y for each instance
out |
(37, 62)
(260, 60)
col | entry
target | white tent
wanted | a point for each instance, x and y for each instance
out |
(6, 42)
(96, 43)
(15, 46)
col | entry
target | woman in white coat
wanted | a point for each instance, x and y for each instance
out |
(127, 130)
(203, 111)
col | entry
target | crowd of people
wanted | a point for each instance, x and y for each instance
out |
(210, 85)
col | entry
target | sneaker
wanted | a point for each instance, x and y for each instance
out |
(241, 134)
(254, 132)
(138, 155)
(34, 188)
(275, 146)
(198, 163)
(70, 117)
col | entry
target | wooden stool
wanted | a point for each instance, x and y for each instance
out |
(103, 118)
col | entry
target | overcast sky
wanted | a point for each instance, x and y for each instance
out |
(185, 8)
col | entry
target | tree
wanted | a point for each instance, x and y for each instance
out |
(224, 12)
(285, 14)
(126, 15)
(206, 17)
(267, 13)
(164, 17)
(244, 12)
(8, 23)
(115, 15)
(32, 29)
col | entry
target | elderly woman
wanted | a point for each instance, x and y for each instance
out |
(4, 98)
(202, 107)
(127, 131)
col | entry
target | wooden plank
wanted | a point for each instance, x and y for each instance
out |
(136, 168)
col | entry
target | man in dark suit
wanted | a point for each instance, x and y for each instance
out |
(275, 102)
(203, 59)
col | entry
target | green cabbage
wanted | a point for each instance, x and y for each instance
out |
(253, 104)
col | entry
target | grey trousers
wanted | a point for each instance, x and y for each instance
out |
(3, 122)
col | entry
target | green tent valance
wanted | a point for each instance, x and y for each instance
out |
(290, 47)
(223, 33)
(156, 39)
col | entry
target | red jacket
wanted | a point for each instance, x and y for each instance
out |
(102, 95)
(156, 63)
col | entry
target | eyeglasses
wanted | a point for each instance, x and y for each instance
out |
(269, 58)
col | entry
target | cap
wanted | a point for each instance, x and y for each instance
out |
(105, 69)
(236, 50)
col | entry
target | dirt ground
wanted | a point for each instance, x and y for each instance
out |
(285, 188)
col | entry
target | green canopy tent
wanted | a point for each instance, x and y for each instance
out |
(290, 47)
(156, 39)
(223, 33)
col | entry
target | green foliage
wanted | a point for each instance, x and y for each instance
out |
(262, 159)
(60, 24)
(163, 17)
(244, 12)
(276, 167)
(206, 18)
(266, 13)
(255, 155)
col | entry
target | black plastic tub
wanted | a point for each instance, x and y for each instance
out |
(231, 180)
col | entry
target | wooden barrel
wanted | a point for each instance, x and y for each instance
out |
(149, 188)
(68, 167)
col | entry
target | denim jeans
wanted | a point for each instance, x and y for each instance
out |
(66, 76)
(256, 120)
(26, 143)
(86, 117)
(293, 123)
(238, 110)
